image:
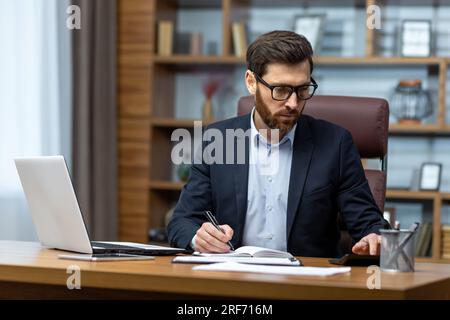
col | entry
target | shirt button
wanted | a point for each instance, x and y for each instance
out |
(269, 208)
(270, 179)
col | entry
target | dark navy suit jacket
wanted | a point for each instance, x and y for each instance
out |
(326, 178)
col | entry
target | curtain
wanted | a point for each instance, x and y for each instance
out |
(35, 99)
(94, 117)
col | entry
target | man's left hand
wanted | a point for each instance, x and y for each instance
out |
(370, 244)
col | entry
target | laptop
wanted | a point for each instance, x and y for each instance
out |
(56, 213)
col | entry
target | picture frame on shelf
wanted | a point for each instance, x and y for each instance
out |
(416, 38)
(430, 176)
(310, 26)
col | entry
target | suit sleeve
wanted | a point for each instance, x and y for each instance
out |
(195, 197)
(355, 201)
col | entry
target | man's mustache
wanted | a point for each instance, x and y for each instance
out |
(288, 113)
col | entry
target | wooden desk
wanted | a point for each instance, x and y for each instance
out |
(29, 271)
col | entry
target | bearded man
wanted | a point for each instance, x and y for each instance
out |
(292, 205)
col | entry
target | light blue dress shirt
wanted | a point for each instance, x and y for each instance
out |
(267, 191)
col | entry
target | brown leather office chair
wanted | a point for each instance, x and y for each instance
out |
(367, 119)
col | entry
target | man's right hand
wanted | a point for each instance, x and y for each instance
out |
(209, 239)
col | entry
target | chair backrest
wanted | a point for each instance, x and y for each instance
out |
(367, 119)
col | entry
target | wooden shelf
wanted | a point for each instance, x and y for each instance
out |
(176, 123)
(394, 128)
(419, 129)
(166, 185)
(190, 59)
(378, 61)
(390, 194)
(408, 194)
(291, 3)
(230, 59)
(342, 3)
(196, 4)
(411, 195)
(421, 3)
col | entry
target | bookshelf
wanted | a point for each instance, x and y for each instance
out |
(437, 201)
(149, 87)
(430, 198)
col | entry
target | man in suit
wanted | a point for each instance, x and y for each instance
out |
(317, 172)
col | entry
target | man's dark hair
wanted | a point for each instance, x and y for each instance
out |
(278, 47)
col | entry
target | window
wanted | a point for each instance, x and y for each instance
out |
(35, 99)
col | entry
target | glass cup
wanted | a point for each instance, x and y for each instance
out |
(397, 250)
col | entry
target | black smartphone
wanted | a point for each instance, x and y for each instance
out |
(351, 259)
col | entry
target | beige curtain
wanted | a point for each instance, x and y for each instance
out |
(94, 117)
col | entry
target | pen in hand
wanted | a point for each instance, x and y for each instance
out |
(214, 222)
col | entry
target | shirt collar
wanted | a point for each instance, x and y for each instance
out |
(255, 135)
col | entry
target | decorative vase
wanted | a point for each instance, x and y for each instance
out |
(207, 114)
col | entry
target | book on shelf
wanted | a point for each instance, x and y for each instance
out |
(446, 229)
(428, 240)
(239, 35)
(424, 242)
(165, 37)
(188, 43)
(182, 43)
(429, 251)
(418, 239)
(445, 241)
(196, 45)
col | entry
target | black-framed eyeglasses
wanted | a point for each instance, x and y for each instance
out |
(281, 93)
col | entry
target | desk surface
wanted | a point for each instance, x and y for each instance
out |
(27, 263)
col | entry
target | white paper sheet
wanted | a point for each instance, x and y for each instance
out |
(297, 271)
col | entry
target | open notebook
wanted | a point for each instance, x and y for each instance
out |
(249, 251)
(246, 254)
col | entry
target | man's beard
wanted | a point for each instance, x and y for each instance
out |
(276, 121)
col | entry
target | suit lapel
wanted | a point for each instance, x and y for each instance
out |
(301, 158)
(241, 177)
